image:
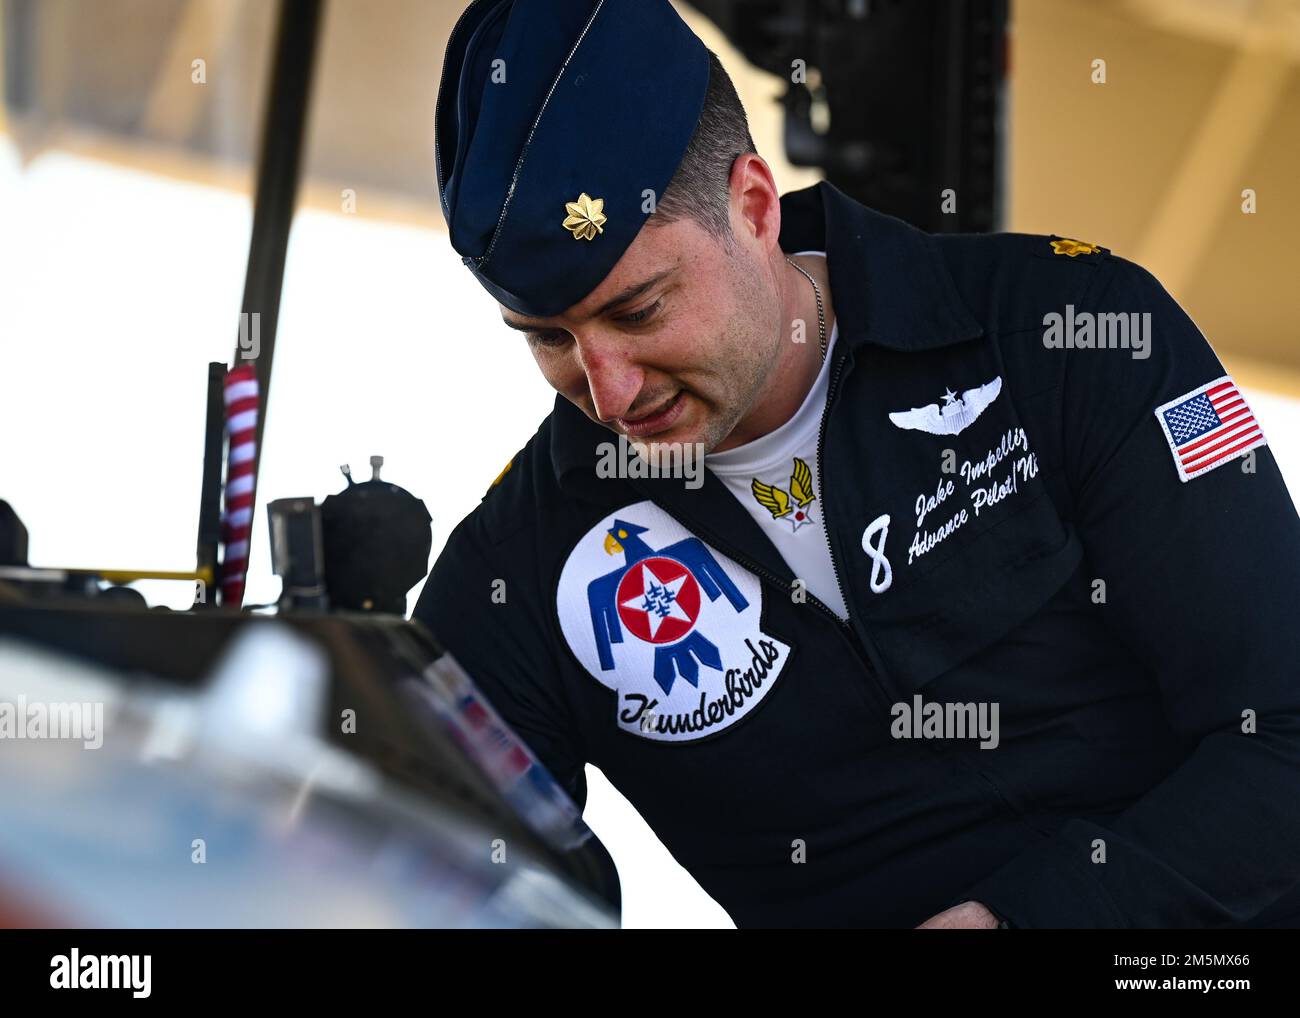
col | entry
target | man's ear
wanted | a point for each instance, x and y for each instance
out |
(755, 198)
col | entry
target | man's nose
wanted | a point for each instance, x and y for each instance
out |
(613, 379)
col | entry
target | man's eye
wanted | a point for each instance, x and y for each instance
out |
(548, 338)
(642, 315)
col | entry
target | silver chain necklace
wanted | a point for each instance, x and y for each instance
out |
(821, 314)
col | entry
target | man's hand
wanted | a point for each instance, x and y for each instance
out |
(969, 915)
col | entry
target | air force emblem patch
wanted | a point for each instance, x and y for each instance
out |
(673, 627)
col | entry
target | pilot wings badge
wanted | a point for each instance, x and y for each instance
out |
(958, 413)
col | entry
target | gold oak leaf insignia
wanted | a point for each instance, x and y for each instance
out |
(505, 470)
(585, 217)
(1066, 246)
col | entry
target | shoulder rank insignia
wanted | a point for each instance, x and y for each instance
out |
(585, 217)
(505, 470)
(1066, 246)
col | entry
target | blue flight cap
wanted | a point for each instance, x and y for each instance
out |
(555, 121)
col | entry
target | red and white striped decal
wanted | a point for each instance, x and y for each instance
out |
(241, 398)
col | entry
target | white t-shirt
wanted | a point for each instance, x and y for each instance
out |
(775, 477)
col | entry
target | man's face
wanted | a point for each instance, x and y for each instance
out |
(675, 345)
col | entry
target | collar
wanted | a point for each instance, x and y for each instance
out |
(889, 285)
(888, 280)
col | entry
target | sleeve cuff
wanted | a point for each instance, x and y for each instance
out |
(1042, 888)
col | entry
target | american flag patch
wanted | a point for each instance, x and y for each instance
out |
(1209, 426)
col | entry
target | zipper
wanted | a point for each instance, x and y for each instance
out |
(758, 569)
(763, 573)
(836, 370)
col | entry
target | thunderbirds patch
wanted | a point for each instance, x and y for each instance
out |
(673, 627)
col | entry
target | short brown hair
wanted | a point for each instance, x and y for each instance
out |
(700, 187)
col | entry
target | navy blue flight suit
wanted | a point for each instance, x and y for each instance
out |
(1136, 630)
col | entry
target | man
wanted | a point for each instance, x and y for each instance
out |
(981, 612)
